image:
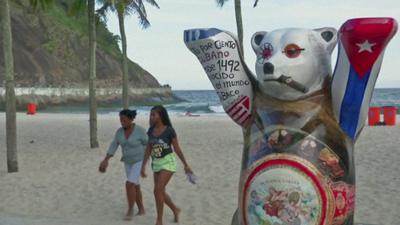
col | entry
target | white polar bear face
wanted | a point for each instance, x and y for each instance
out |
(293, 63)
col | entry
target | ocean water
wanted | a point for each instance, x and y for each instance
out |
(386, 97)
(206, 102)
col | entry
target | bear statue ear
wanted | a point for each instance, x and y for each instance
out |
(256, 40)
(328, 36)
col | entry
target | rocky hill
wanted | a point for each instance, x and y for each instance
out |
(51, 50)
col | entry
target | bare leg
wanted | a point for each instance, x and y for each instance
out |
(173, 207)
(131, 196)
(139, 200)
(161, 180)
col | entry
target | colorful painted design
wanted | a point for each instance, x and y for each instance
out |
(258, 150)
(344, 195)
(277, 139)
(266, 52)
(285, 140)
(285, 190)
(331, 160)
(308, 148)
(239, 111)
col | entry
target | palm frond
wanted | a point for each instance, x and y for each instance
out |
(153, 3)
(221, 3)
(103, 10)
(142, 8)
(126, 7)
(255, 3)
(143, 21)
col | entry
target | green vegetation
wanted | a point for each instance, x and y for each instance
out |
(51, 45)
(60, 17)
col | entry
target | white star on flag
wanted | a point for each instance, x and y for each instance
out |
(365, 46)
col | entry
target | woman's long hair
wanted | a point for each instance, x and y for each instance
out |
(163, 114)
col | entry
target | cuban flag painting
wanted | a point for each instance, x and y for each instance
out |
(362, 43)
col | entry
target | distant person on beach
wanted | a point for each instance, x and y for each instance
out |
(163, 142)
(133, 139)
(188, 113)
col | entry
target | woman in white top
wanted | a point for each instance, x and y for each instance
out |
(133, 139)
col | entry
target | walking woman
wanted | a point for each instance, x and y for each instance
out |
(162, 144)
(133, 139)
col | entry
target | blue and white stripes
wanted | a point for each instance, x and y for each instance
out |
(351, 93)
(198, 34)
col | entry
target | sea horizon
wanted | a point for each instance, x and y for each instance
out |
(202, 102)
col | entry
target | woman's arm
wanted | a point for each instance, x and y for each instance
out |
(113, 147)
(147, 153)
(111, 151)
(179, 152)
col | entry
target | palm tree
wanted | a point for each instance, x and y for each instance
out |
(123, 8)
(11, 118)
(77, 7)
(94, 143)
(239, 21)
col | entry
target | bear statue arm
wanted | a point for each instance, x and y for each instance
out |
(219, 53)
(361, 47)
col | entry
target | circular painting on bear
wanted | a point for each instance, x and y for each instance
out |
(283, 195)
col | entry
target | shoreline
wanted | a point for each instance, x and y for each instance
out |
(65, 97)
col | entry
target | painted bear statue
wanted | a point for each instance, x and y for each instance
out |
(300, 121)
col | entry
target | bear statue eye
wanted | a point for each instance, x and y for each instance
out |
(292, 50)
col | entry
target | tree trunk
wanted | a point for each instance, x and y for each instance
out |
(125, 81)
(239, 24)
(11, 118)
(92, 75)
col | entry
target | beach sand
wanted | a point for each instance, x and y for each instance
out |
(58, 182)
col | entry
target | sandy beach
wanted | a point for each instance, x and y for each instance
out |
(58, 182)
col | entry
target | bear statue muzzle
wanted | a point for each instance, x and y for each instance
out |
(268, 68)
(289, 81)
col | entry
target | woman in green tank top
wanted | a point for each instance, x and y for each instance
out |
(162, 144)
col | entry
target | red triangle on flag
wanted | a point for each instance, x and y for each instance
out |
(364, 39)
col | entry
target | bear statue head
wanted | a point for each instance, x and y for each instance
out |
(293, 63)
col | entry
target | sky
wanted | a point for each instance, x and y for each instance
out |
(160, 49)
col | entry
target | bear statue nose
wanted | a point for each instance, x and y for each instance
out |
(268, 68)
